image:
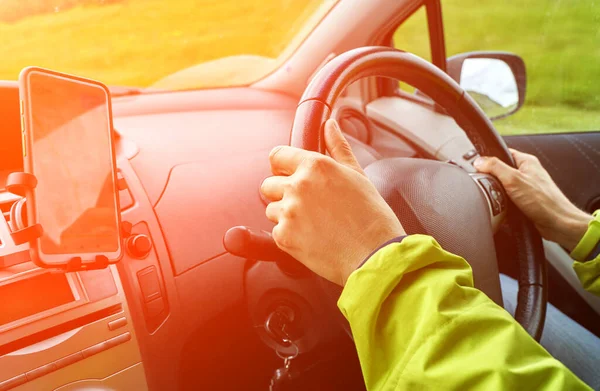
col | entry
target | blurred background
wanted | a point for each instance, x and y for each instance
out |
(140, 42)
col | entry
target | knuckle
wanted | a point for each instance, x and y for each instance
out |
(281, 236)
(317, 163)
(492, 162)
(271, 211)
(264, 186)
(274, 152)
(289, 186)
(271, 207)
(301, 183)
(289, 210)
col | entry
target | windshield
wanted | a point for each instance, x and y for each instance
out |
(180, 44)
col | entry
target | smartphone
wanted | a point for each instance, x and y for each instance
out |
(68, 145)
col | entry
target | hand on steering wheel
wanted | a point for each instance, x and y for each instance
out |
(329, 216)
(432, 197)
(534, 192)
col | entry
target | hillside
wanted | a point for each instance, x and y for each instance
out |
(137, 42)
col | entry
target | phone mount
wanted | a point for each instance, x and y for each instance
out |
(16, 236)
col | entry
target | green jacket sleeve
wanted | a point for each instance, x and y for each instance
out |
(589, 271)
(418, 323)
(589, 275)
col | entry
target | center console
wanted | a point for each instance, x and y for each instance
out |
(58, 330)
(61, 328)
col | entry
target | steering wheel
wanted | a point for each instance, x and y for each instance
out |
(433, 197)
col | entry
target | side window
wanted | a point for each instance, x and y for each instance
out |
(557, 40)
(413, 36)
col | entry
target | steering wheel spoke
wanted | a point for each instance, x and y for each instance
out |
(496, 197)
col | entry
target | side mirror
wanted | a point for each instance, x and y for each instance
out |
(495, 80)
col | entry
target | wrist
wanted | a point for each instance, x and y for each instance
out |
(395, 236)
(588, 244)
(573, 227)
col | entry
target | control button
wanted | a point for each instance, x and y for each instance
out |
(138, 246)
(68, 360)
(13, 382)
(149, 285)
(118, 340)
(21, 107)
(117, 323)
(494, 195)
(41, 371)
(22, 124)
(470, 155)
(155, 307)
(500, 199)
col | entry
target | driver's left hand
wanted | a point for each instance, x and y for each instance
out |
(328, 215)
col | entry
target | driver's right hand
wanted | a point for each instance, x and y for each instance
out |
(328, 215)
(533, 191)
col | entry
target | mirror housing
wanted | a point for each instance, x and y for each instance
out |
(495, 80)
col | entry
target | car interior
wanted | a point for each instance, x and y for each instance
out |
(183, 310)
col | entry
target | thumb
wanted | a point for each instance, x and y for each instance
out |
(495, 167)
(338, 146)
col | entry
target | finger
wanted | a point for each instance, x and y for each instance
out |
(283, 237)
(521, 157)
(272, 187)
(338, 146)
(285, 159)
(273, 211)
(495, 167)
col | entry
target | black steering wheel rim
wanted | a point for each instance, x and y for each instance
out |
(315, 108)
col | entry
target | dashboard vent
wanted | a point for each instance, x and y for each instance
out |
(6, 202)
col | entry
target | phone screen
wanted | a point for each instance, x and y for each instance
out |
(71, 157)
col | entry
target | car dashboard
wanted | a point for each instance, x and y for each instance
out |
(177, 311)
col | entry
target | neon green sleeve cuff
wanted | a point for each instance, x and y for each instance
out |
(589, 275)
(589, 241)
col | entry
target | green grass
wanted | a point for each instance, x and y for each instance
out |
(533, 119)
(558, 39)
(138, 42)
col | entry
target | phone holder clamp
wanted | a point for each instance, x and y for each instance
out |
(17, 233)
(19, 183)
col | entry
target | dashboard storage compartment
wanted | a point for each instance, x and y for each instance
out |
(35, 295)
